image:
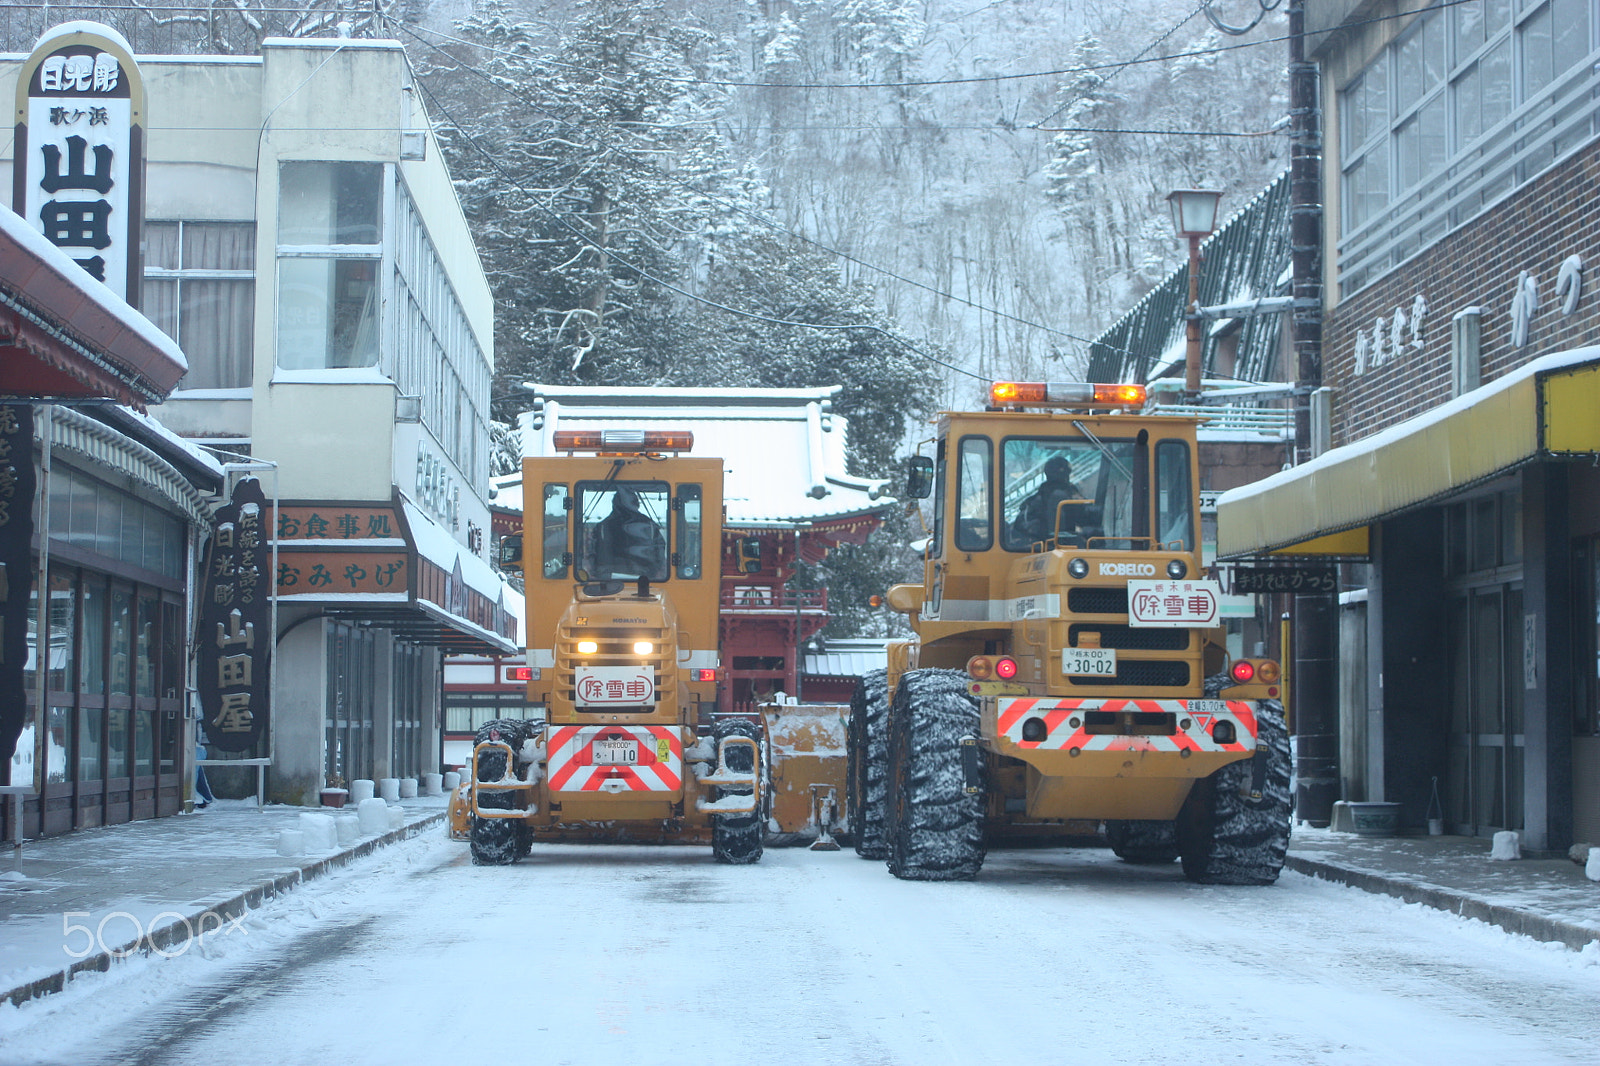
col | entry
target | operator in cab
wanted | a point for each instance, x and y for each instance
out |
(1036, 518)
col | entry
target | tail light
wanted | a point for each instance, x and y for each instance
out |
(1268, 671)
(703, 675)
(980, 668)
(1005, 669)
(1243, 671)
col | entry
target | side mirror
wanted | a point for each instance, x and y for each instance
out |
(511, 552)
(919, 478)
(749, 555)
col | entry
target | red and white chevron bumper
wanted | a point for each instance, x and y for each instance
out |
(1143, 725)
(615, 758)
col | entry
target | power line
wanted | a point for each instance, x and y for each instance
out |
(646, 275)
(774, 225)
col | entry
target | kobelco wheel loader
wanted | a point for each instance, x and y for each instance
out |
(1068, 667)
(620, 557)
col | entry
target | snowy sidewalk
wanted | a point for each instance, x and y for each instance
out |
(164, 885)
(1547, 899)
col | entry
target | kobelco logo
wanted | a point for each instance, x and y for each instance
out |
(1127, 569)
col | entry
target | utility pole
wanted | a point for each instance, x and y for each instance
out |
(1316, 617)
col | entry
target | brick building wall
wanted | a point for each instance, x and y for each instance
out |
(1555, 216)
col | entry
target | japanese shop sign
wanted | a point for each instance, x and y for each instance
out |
(80, 145)
(1305, 579)
(1173, 603)
(234, 642)
(303, 573)
(605, 686)
(16, 571)
(337, 522)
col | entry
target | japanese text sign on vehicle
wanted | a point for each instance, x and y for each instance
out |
(80, 149)
(1173, 603)
(608, 686)
(234, 646)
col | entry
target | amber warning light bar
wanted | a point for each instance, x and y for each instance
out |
(1064, 394)
(622, 440)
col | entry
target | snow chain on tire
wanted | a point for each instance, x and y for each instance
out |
(867, 771)
(935, 826)
(737, 838)
(1226, 836)
(498, 841)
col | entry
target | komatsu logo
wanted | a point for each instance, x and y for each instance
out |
(1127, 569)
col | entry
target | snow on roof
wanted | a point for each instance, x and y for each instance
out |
(846, 658)
(439, 547)
(505, 493)
(783, 449)
(1415, 424)
(36, 245)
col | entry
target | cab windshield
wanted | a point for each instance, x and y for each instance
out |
(1070, 492)
(622, 530)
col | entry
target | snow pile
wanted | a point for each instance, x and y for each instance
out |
(320, 832)
(291, 843)
(1507, 845)
(374, 816)
(1591, 869)
(361, 790)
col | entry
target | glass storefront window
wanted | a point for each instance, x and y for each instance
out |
(92, 678)
(121, 642)
(58, 744)
(63, 648)
(90, 743)
(145, 648)
(144, 742)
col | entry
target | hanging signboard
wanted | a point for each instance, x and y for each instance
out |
(80, 150)
(16, 570)
(1297, 579)
(234, 643)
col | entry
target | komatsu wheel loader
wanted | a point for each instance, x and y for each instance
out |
(620, 557)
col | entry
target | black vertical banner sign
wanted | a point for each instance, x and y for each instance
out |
(234, 643)
(17, 484)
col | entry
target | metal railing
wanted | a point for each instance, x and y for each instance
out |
(766, 599)
(1268, 421)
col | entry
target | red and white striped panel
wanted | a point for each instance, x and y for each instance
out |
(570, 766)
(1201, 715)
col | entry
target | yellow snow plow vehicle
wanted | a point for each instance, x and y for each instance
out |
(1068, 667)
(621, 559)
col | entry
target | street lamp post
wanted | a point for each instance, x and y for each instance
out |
(1194, 215)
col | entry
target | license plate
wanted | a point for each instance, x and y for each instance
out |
(616, 752)
(1094, 662)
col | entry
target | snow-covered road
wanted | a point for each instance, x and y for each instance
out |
(648, 956)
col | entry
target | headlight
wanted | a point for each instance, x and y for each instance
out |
(643, 647)
(587, 647)
(1177, 569)
(1078, 568)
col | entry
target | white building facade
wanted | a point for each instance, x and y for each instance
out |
(304, 245)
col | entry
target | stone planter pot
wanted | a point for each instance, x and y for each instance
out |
(334, 797)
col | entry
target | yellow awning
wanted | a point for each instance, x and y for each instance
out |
(1550, 407)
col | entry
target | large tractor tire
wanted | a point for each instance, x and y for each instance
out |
(1143, 842)
(498, 841)
(737, 838)
(1226, 834)
(867, 771)
(934, 825)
